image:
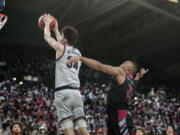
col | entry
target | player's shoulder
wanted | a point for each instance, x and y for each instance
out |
(120, 71)
(78, 51)
(73, 50)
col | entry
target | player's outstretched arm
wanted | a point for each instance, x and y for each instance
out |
(47, 35)
(141, 74)
(94, 64)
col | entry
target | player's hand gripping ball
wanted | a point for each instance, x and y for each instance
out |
(41, 23)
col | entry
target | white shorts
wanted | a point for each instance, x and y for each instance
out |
(69, 104)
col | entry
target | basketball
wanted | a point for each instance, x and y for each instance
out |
(41, 23)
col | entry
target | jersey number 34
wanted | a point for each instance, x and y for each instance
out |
(72, 65)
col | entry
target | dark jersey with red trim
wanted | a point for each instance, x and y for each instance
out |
(119, 96)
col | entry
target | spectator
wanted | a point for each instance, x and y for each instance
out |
(5, 129)
(139, 131)
(170, 130)
(16, 129)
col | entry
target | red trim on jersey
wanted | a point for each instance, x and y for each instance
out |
(3, 15)
(130, 76)
(62, 53)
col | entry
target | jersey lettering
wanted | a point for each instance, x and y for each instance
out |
(72, 65)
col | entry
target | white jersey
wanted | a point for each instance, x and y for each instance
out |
(67, 75)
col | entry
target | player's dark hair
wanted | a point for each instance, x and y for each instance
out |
(71, 34)
(135, 66)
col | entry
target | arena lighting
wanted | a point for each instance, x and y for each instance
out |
(175, 1)
(35, 79)
(156, 9)
(14, 78)
(28, 78)
(20, 83)
(31, 78)
(135, 98)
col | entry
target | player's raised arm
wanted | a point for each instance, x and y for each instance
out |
(57, 33)
(47, 34)
(94, 64)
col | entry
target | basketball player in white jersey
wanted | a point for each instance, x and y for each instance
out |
(68, 100)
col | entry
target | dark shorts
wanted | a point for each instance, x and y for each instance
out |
(119, 123)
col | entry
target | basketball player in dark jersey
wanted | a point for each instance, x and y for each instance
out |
(124, 82)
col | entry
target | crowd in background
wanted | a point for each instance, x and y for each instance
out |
(34, 108)
(19, 61)
(31, 106)
(156, 111)
(31, 103)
